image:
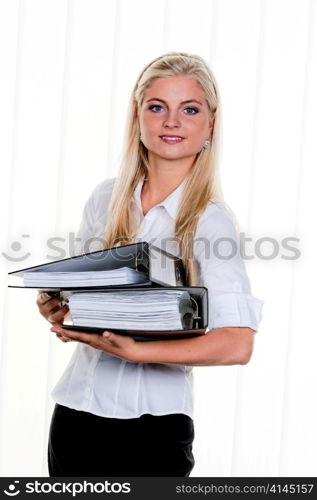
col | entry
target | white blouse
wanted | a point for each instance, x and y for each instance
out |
(102, 384)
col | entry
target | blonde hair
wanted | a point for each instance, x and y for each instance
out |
(202, 182)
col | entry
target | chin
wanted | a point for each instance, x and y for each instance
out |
(172, 155)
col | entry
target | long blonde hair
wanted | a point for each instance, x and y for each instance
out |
(202, 182)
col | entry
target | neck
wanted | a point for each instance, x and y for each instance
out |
(166, 175)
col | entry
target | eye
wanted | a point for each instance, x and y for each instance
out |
(191, 111)
(156, 108)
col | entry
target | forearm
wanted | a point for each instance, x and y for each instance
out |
(220, 346)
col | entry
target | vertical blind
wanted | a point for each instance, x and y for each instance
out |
(67, 70)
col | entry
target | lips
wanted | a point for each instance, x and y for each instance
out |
(172, 139)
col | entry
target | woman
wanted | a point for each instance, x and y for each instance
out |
(124, 408)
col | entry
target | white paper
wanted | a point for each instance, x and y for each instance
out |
(142, 310)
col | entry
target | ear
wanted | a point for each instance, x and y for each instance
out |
(138, 117)
(211, 123)
(211, 127)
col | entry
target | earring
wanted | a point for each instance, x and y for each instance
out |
(206, 144)
(140, 137)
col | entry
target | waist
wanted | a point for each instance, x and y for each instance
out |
(107, 386)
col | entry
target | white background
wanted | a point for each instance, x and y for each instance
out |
(66, 69)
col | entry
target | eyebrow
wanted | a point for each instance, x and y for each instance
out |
(183, 102)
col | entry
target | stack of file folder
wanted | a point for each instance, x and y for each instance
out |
(134, 290)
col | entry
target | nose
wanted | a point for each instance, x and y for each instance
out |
(172, 120)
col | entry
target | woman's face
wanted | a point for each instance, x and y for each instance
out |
(174, 118)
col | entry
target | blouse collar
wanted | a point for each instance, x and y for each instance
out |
(170, 203)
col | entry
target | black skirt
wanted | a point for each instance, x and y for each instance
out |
(85, 445)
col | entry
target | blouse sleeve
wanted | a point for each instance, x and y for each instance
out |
(89, 236)
(86, 227)
(222, 271)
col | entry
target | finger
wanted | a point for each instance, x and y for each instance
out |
(48, 310)
(58, 315)
(109, 338)
(53, 309)
(49, 305)
(63, 338)
(44, 297)
(87, 338)
(113, 339)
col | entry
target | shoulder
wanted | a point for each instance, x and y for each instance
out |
(98, 201)
(102, 192)
(96, 207)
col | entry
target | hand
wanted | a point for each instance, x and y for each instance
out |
(122, 346)
(51, 309)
